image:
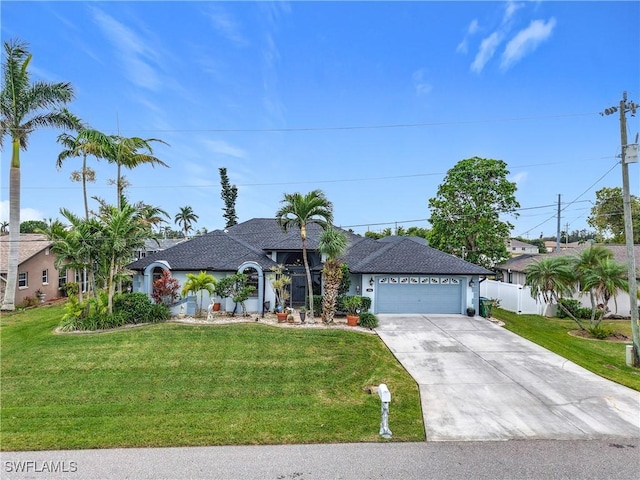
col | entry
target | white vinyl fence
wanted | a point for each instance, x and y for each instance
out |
(513, 297)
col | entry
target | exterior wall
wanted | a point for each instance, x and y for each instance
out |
(34, 267)
(143, 283)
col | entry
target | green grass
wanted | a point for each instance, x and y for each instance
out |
(177, 385)
(607, 359)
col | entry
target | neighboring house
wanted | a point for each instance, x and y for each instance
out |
(36, 268)
(399, 274)
(153, 245)
(552, 245)
(516, 247)
(513, 270)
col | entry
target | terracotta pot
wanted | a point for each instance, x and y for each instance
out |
(282, 316)
(216, 307)
(352, 320)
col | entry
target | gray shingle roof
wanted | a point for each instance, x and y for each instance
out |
(249, 241)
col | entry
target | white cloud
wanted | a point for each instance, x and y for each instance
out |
(526, 41)
(519, 178)
(25, 213)
(420, 84)
(463, 46)
(510, 9)
(132, 49)
(487, 50)
(220, 147)
(226, 25)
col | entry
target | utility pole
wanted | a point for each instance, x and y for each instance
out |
(558, 227)
(628, 224)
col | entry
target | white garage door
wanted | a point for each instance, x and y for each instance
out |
(435, 294)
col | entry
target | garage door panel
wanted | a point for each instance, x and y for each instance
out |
(420, 298)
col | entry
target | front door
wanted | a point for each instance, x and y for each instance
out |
(298, 285)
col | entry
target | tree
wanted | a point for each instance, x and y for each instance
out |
(4, 228)
(33, 226)
(78, 247)
(466, 212)
(333, 244)
(122, 233)
(229, 194)
(87, 142)
(152, 216)
(603, 280)
(186, 217)
(607, 216)
(298, 211)
(400, 231)
(131, 152)
(552, 279)
(199, 283)
(24, 108)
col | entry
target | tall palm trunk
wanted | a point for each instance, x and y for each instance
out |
(84, 186)
(9, 300)
(303, 236)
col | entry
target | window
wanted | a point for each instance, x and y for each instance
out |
(45, 277)
(23, 280)
(252, 279)
(62, 278)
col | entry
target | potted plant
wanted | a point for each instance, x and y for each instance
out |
(352, 305)
(471, 311)
(303, 314)
(279, 282)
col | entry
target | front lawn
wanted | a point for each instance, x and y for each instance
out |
(607, 359)
(176, 385)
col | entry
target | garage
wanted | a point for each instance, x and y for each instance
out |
(419, 294)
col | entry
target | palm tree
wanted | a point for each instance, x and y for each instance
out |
(126, 153)
(584, 266)
(299, 211)
(333, 244)
(199, 283)
(24, 108)
(552, 279)
(604, 279)
(152, 216)
(4, 228)
(122, 233)
(186, 218)
(87, 142)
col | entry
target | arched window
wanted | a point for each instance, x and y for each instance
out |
(252, 280)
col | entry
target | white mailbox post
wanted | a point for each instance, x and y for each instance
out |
(385, 399)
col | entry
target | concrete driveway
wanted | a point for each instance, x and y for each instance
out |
(479, 381)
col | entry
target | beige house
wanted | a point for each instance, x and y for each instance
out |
(516, 247)
(37, 273)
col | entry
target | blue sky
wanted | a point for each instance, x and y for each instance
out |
(372, 102)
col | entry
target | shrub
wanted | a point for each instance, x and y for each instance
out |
(159, 312)
(70, 289)
(574, 307)
(368, 320)
(344, 302)
(136, 307)
(165, 289)
(600, 331)
(28, 301)
(317, 305)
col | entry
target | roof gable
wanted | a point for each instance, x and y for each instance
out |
(30, 245)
